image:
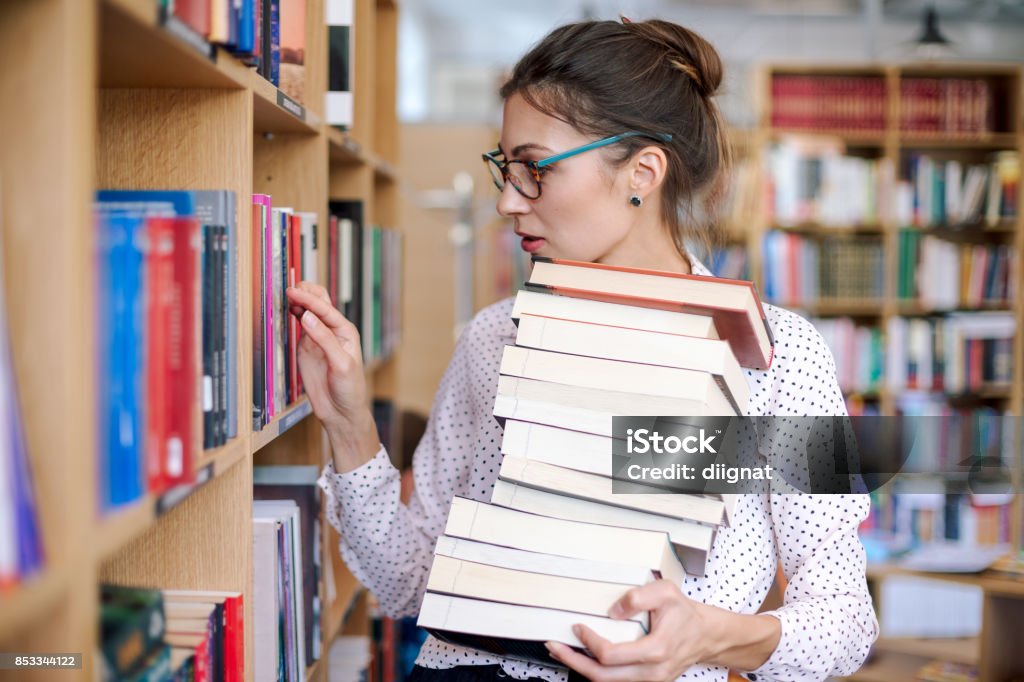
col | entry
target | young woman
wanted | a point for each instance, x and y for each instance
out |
(610, 142)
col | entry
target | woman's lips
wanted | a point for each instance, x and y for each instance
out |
(532, 244)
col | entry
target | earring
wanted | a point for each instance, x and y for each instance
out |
(636, 200)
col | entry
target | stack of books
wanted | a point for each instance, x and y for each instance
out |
(556, 546)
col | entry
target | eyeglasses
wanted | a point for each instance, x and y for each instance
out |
(525, 176)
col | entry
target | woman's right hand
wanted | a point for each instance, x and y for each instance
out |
(331, 363)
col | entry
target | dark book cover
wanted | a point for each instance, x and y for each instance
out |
(353, 210)
(131, 626)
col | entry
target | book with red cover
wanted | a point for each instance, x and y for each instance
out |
(159, 281)
(234, 625)
(174, 414)
(733, 304)
(195, 13)
(184, 349)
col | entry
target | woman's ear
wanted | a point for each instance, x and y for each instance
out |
(647, 171)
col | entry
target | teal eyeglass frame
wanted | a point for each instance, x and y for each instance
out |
(536, 166)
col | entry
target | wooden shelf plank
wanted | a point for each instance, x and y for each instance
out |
(955, 649)
(988, 141)
(817, 229)
(857, 138)
(343, 147)
(119, 527)
(854, 307)
(916, 308)
(292, 415)
(136, 51)
(888, 667)
(28, 601)
(348, 592)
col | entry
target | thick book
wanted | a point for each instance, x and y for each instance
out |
(632, 574)
(734, 304)
(495, 583)
(120, 295)
(564, 447)
(615, 375)
(612, 314)
(289, 560)
(233, 613)
(691, 541)
(589, 409)
(514, 631)
(586, 486)
(642, 347)
(265, 610)
(648, 550)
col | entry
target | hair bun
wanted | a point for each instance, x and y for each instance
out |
(686, 51)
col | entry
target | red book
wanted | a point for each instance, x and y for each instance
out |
(183, 350)
(195, 13)
(733, 304)
(159, 284)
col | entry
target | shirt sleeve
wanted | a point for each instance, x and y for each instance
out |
(387, 545)
(827, 617)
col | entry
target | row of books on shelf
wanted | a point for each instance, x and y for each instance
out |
(951, 354)
(797, 270)
(270, 36)
(554, 546)
(947, 192)
(199, 635)
(948, 106)
(859, 353)
(284, 253)
(179, 635)
(812, 181)
(920, 519)
(364, 277)
(855, 103)
(945, 275)
(167, 293)
(954, 353)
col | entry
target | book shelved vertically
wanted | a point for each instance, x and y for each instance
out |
(115, 94)
(888, 211)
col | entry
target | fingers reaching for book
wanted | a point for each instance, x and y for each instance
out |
(306, 298)
(327, 342)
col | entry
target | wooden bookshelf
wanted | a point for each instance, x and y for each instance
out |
(899, 658)
(104, 96)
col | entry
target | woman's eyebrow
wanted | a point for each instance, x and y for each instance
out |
(529, 146)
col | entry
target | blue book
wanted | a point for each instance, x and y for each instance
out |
(165, 202)
(246, 25)
(121, 373)
(275, 42)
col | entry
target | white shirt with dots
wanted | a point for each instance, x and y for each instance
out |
(828, 623)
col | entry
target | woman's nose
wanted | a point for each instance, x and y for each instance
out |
(511, 202)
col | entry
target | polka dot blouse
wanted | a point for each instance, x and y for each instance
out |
(828, 622)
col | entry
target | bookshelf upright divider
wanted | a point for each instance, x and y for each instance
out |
(108, 97)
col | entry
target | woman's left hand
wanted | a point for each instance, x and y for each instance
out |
(680, 636)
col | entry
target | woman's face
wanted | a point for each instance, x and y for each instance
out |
(583, 212)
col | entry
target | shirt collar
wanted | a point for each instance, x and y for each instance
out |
(696, 267)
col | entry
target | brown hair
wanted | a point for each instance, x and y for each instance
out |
(604, 78)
